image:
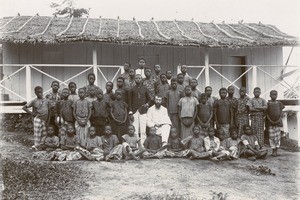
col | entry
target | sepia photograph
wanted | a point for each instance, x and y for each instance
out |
(150, 100)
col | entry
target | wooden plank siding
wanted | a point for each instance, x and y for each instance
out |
(169, 57)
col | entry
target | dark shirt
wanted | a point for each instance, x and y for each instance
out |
(65, 108)
(153, 143)
(223, 111)
(138, 96)
(175, 143)
(100, 109)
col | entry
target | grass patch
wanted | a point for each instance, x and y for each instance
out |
(25, 179)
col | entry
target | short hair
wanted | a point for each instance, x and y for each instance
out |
(256, 88)
(169, 71)
(207, 87)
(82, 89)
(187, 86)
(126, 62)
(273, 91)
(118, 90)
(99, 91)
(51, 125)
(37, 88)
(72, 83)
(193, 79)
(221, 89)
(162, 75)
(174, 80)
(232, 129)
(66, 89)
(120, 77)
(54, 82)
(246, 125)
(203, 95)
(130, 125)
(91, 74)
(141, 58)
(108, 82)
(243, 88)
(230, 86)
(180, 74)
(197, 127)
(211, 129)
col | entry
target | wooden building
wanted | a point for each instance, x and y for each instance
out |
(38, 50)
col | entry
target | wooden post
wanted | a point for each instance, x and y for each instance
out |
(28, 83)
(206, 61)
(254, 78)
(95, 66)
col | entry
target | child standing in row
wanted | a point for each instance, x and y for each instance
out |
(205, 114)
(119, 115)
(274, 121)
(172, 98)
(222, 113)
(73, 95)
(258, 107)
(242, 111)
(82, 110)
(40, 112)
(64, 107)
(100, 112)
(187, 111)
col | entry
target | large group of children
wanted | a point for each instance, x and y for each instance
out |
(152, 116)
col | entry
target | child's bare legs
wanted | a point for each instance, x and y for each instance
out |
(217, 156)
(198, 155)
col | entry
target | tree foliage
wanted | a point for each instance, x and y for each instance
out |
(68, 9)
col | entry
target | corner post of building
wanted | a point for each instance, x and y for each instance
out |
(254, 77)
(95, 64)
(206, 61)
(28, 83)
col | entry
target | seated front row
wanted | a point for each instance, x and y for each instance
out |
(108, 147)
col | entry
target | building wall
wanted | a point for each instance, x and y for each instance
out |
(168, 57)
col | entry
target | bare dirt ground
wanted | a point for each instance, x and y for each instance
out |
(170, 178)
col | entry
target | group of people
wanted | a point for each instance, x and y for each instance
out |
(153, 116)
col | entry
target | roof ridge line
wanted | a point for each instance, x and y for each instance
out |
(19, 29)
(198, 26)
(159, 32)
(140, 29)
(46, 28)
(100, 27)
(239, 32)
(229, 35)
(261, 32)
(118, 29)
(64, 31)
(8, 22)
(182, 33)
(84, 26)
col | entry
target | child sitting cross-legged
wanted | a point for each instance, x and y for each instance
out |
(93, 146)
(132, 147)
(232, 144)
(251, 149)
(175, 146)
(196, 145)
(111, 147)
(50, 142)
(212, 146)
(69, 140)
(153, 145)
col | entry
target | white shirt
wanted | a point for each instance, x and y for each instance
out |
(157, 116)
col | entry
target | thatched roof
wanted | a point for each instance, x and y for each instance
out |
(41, 29)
